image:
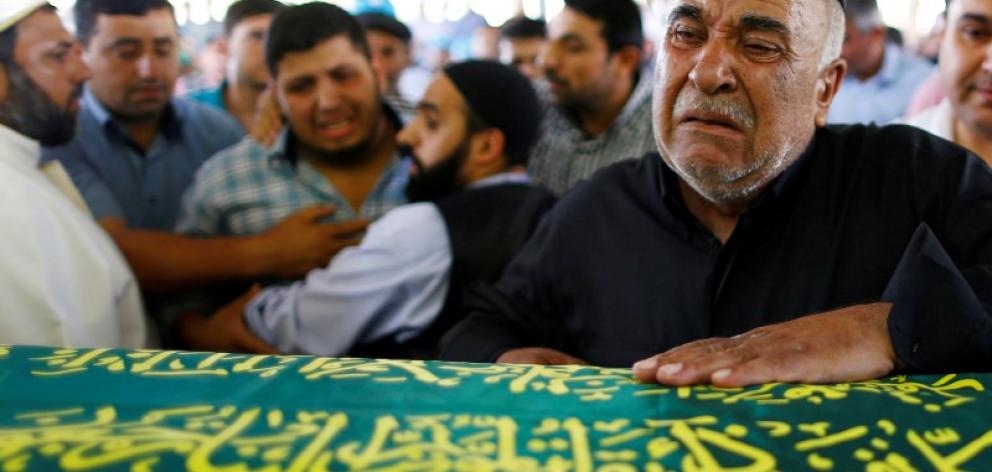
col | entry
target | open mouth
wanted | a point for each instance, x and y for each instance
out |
(336, 129)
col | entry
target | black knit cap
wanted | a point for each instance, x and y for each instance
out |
(504, 99)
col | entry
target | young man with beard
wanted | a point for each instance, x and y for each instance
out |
(337, 147)
(398, 292)
(597, 97)
(246, 77)
(62, 281)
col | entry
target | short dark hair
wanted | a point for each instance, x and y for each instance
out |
(385, 24)
(8, 39)
(303, 27)
(86, 12)
(241, 10)
(621, 21)
(522, 27)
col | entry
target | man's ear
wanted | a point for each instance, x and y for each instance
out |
(827, 85)
(4, 83)
(487, 147)
(628, 58)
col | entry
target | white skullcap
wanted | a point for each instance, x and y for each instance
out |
(13, 11)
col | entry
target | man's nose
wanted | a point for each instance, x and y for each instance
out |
(714, 71)
(987, 59)
(147, 67)
(80, 71)
(405, 136)
(328, 97)
(547, 59)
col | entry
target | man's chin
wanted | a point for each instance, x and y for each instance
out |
(143, 112)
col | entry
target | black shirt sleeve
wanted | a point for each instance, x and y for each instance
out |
(942, 287)
(513, 313)
(940, 320)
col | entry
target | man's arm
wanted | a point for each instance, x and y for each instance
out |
(935, 315)
(168, 262)
(514, 316)
(393, 285)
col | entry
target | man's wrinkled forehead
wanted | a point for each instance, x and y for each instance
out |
(777, 16)
(788, 18)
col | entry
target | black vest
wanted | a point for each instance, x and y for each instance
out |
(486, 226)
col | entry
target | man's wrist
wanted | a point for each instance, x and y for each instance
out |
(255, 257)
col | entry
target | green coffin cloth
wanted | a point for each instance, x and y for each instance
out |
(103, 409)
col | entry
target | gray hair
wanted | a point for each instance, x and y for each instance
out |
(864, 14)
(835, 30)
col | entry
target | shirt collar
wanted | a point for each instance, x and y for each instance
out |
(20, 147)
(172, 117)
(943, 120)
(502, 179)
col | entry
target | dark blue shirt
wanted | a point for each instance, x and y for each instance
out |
(144, 189)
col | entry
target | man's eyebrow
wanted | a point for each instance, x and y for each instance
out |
(690, 12)
(572, 37)
(764, 23)
(125, 42)
(978, 18)
(428, 106)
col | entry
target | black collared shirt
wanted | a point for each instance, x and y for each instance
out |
(620, 270)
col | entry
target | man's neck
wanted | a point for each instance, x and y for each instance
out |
(142, 132)
(241, 101)
(974, 140)
(721, 220)
(356, 182)
(598, 118)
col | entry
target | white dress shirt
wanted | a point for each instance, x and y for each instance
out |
(62, 280)
(938, 120)
(393, 285)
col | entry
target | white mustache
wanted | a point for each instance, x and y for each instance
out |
(715, 104)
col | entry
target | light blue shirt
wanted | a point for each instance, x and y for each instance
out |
(393, 285)
(119, 181)
(884, 97)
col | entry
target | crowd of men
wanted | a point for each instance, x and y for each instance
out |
(690, 214)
